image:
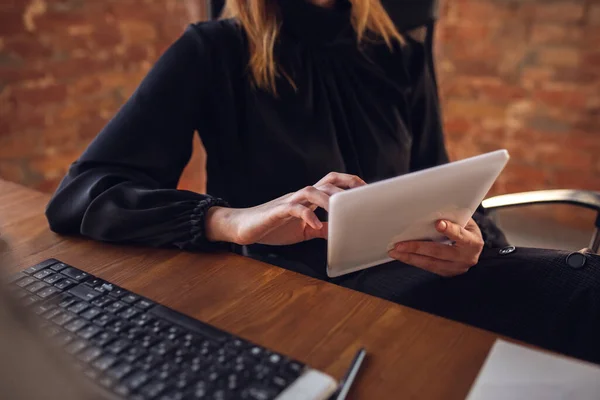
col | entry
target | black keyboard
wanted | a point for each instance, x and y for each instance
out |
(138, 349)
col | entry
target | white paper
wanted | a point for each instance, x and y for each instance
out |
(514, 372)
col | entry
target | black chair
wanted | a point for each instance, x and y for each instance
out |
(417, 18)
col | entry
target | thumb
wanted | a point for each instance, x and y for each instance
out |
(312, 233)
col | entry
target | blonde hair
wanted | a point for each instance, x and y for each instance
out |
(260, 21)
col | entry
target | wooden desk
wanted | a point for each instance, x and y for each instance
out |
(410, 354)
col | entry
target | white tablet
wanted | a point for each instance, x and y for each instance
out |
(366, 222)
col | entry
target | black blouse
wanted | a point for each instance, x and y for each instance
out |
(364, 111)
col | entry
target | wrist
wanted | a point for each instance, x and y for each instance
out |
(219, 224)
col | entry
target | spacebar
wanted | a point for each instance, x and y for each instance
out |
(190, 323)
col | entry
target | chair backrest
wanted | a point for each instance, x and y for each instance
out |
(407, 14)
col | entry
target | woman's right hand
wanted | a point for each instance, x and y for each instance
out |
(286, 220)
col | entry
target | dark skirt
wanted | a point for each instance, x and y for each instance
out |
(531, 295)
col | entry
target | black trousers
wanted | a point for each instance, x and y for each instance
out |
(531, 295)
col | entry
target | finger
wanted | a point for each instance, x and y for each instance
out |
(312, 195)
(329, 188)
(342, 180)
(454, 232)
(322, 233)
(301, 212)
(431, 249)
(438, 267)
(472, 226)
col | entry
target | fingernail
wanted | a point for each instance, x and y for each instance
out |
(443, 225)
(399, 247)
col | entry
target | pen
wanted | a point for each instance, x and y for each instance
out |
(348, 379)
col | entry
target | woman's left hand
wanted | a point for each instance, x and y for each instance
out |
(440, 258)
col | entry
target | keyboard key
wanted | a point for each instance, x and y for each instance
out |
(52, 279)
(63, 319)
(65, 284)
(42, 308)
(135, 332)
(133, 353)
(84, 292)
(79, 307)
(36, 286)
(148, 362)
(122, 390)
(20, 293)
(75, 274)
(91, 373)
(64, 300)
(102, 302)
(142, 319)
(153, 389)
(76, 325)
(76, 347)
(129, 313)
(103, 338)
(91, 313)
(29, 300)
(105, 362)
(130, 298)
(162, 348)
(144, 304)
(40, 266)
(43, 273)
(52, 331)
(117, 347)
(26, 281)
(118, 326)
(103, 320)
(173, 333)
(95, 282)
(65, 338)
(172, 395)
(148, 340)
(258, 391)
(115, 307)
(280, 382)
(49, 291)
(118, 292)
(58, 267)
(53, 313)
(158, 326)
(89, 354)
(135, 380)
(16, 277)
(89, 332)
(120, 371)
(106, 382)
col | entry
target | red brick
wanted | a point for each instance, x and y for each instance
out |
(569, 180)
(548, 33)
(11, 171)
(559, 11)
(592, 59)
(593, 15)
(559, 57)
(26, 47)
(10, 22)
(38, 96)
(570, 98)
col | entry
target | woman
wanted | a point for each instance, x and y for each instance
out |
(294, 100)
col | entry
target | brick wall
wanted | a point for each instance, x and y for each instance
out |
(65, 68)
(525, 75)
(520, 74)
